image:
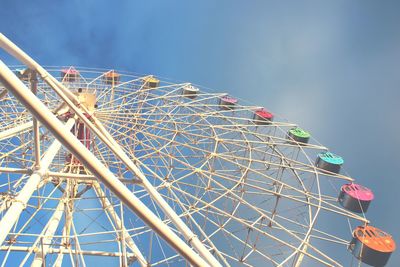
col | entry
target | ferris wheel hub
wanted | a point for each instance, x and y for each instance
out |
(88, 100)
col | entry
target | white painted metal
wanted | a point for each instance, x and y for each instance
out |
(66, 231)
(3, 93)
(185, 230)
(187, 149)
(46, 117)
(30, 186)
(19, 54)
(110, 142)
(15, 130)
(300, 256)
(36, 134)
(14, 170)
(50, 230)
(87, 177)
(108, 207)
(64, 251)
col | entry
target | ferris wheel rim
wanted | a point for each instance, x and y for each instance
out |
(201, 114)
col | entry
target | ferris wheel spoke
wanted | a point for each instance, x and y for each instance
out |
(77, 247)
(183, 144)
(134, 96)
(341, 211)
(199, 228)
(119, 225)
(221, 227)
(267, 234)
(135, 84)
(292, 198)
(30, 222)
(48, 233)
(178, 201)
(192, 239)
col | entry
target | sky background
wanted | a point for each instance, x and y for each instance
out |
(330, 66)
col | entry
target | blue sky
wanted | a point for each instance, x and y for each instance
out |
(330, 66)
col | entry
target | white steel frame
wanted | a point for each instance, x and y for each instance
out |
(181, 230)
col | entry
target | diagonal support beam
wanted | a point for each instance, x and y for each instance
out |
(50, 230)
(190, 237)
(20, 201)
(300, 254)
(47, 118)
(118, 223)
(68, 208)
(36, 134)
(17, 129)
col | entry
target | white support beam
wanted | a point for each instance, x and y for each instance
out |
(190, 237)
(64, 251)
(109, 208)
(47, 119)
(86, 177)
(15, 130)
(14, 170)
(36, 134)
(300, 253)
(20, 201)
(3, 93)
(68, 208)
(50, 230)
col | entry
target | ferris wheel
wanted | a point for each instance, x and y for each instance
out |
(106, 168)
